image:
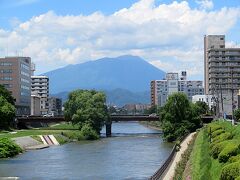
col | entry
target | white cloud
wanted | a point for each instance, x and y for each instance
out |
(166, 33)
(205, 4)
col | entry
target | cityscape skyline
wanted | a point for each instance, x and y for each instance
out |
(92, 33)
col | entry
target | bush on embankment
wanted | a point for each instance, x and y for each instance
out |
(8, 148)
(86, 133)
(217, 156)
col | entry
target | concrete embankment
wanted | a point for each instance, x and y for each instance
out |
(169, 174)
(28, 143)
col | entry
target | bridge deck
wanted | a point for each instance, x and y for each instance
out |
(112, 118)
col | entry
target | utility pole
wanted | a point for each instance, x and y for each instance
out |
(221, 100)
(232, 94)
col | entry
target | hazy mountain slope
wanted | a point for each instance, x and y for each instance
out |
(125, 72)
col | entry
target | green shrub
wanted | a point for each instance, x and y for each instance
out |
(238, 178)
(230, 150)
(217, 132)
(222, 137)
(213, 127)
(234, 159)
(217, 148)
(8, 148)
(230, 171)
(88, 132)
(73, 135)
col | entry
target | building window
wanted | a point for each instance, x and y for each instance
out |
(7, 85)
(25, 87)
(6, 71)
(25, 74)
(5, 64)
(6, 78)
(25, 66)
(25, 80)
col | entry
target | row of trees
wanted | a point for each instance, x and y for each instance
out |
(88, 110)
(179, 116)
(7, 109)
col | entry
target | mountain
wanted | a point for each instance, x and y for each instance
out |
(130, 73)
(118, 97)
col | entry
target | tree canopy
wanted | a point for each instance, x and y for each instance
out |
(6, 94)
(87, 107)
(178, 117)
(7, 113)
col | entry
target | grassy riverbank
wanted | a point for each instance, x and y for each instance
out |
(64, 133)
(216, 152)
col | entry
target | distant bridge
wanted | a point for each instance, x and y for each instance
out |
(113, 118)
(21, 121)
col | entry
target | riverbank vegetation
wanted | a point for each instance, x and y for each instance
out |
(182, 164)
(216, 152)
(7, 109)
(87, 110)
(179, 117)
(8, 148)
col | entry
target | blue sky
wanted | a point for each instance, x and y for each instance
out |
(168, 34)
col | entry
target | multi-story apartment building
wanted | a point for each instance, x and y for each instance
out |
(161, 89)
(55, 105)
(15, 75)
(40, 87)
(222, 72)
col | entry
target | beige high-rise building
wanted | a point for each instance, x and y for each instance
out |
(211, 42)
(15, 75)
(221, 73)
(40, 87)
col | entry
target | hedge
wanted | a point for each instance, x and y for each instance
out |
(217, 132)
(217, 148)
(213, 127)
(230, 171)
(234, 158)
(228, 151)
(222, 137)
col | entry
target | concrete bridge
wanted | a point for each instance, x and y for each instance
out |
(21, 121)
(113, 118)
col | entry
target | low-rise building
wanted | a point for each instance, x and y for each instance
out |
(208, 99)
(55, 105)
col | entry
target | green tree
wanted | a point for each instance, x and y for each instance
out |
(237, 114)
(87, 107)
(7, 113)
(6, 94)
(177, 117)
(201, 107)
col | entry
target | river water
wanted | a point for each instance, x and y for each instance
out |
(134, 153)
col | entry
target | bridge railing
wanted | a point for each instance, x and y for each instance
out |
(159, 173)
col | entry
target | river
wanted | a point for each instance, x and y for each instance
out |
(134, 153)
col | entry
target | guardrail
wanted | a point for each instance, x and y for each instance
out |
(158, 174)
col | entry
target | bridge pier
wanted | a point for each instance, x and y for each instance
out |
(108, 129)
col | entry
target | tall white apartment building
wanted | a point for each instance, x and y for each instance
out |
(161, 89)
(40, 87)
(221, 73)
